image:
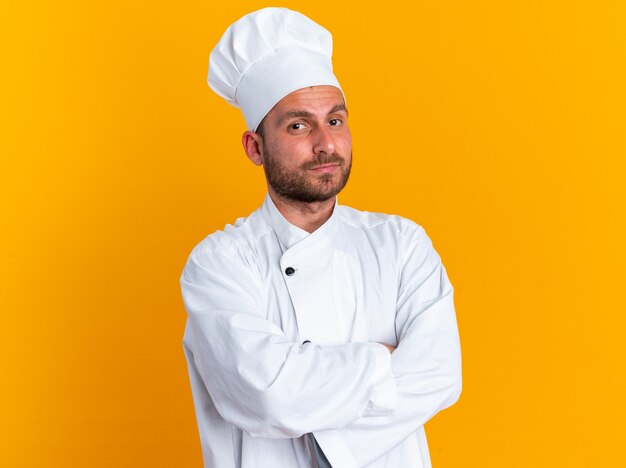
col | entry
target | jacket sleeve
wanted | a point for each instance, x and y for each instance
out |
(258, 379)
(426, 363)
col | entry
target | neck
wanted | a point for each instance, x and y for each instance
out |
(307, 216)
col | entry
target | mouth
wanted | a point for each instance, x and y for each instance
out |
(324, 168)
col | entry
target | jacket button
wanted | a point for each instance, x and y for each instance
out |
(289, 271)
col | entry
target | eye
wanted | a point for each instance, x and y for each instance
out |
(296, 126)
(335, 122)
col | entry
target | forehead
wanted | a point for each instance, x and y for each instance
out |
(314, 99)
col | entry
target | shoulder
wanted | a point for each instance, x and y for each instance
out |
(223, 269)
(236, 243)
(401, 241)
(388, 226)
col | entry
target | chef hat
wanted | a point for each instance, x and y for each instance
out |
(266, 55)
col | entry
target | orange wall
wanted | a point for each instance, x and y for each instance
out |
(498, 125)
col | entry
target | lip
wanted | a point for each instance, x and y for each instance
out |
(325, 167)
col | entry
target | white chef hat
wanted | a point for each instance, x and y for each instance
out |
(266, 55)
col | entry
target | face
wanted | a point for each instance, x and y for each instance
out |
(306, 149)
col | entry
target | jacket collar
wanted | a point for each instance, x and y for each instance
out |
(288, 234)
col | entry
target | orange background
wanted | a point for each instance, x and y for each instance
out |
(497, 125)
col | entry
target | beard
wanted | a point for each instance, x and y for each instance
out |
(301, 185)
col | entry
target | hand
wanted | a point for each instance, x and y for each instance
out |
(390, 348)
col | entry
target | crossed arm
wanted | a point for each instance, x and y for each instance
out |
(366, 396)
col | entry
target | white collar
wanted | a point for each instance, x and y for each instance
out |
(289, 234)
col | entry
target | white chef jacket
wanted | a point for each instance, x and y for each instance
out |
(283, 334)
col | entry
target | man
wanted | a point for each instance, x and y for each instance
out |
(318, 335)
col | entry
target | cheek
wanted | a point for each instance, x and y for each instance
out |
(299, 152)
(345, 144)
(292, 147)
(291, 156)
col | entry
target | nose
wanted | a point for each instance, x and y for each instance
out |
(323, 141)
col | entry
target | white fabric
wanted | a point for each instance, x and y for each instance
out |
(360, 279)
(266, 55)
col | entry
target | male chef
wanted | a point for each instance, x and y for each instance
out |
(317, 335)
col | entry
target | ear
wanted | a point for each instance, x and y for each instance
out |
(252, 143)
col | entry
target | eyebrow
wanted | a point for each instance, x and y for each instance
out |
(339, 107)
(307, 114)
